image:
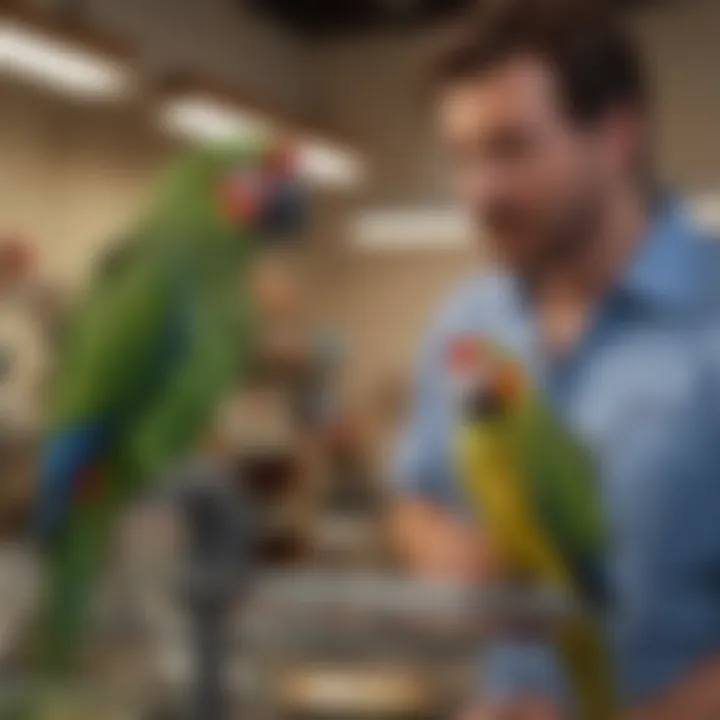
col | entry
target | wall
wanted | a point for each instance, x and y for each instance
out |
(384, 305)
(683, 50)
(72, 176)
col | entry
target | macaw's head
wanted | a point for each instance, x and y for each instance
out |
(263, 192)
(490, 385)
(252, 189)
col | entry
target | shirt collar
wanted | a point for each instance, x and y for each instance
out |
(659, 274)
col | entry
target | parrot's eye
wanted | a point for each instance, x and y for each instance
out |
(242, 196)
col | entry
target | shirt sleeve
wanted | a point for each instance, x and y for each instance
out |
(423, 464)
(665, 620)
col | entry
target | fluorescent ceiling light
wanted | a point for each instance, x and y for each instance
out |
(203, 118)
(411, 229)
(706, 210)
(329, 165)
(59, 64)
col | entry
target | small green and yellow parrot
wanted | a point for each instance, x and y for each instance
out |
(534, 489)
(163, 332)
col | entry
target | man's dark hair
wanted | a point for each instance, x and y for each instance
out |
(596, 63)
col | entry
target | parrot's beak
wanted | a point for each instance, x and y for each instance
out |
(485, 403)
(268, 197)
(284, 214)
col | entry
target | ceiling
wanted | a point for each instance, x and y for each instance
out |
(342, 17)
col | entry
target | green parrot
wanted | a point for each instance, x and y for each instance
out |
(162, 333)
(534, 489)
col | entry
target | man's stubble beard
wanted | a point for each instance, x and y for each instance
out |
(561, 245)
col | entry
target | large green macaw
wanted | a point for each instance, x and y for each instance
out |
(151, 349)
(536, 494)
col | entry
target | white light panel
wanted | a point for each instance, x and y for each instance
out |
(328, 165)
(707, 212)
(59, 64)
(205, 119)
(411, 229)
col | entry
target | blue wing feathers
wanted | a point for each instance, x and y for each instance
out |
(67, 454)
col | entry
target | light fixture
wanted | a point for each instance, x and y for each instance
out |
(204, 118)
(421, 228)
(205, 111)
(59, 60)
(327, 164)
(706, 210)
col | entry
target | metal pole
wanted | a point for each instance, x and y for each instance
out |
(216, 557)
(209, 700)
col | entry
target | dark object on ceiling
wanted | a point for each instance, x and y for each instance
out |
(332, 17)
(344, 17)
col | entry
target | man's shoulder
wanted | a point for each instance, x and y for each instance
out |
(480, 303)
(704, 322)
(707, 271)
(705, 278)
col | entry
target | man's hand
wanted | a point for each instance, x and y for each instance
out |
(435, 545)
(531, 709)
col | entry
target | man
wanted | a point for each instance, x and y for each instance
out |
(611, 297)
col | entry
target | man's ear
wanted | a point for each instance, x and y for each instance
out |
(623, 131)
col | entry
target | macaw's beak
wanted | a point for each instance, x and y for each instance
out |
(284, 213)
(484, 404)
(268, 198)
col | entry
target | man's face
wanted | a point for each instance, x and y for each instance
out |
(533, 178)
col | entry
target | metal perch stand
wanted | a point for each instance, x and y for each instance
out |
(343, 614)
(217, 568)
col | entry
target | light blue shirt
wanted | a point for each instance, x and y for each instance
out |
(642, 388)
